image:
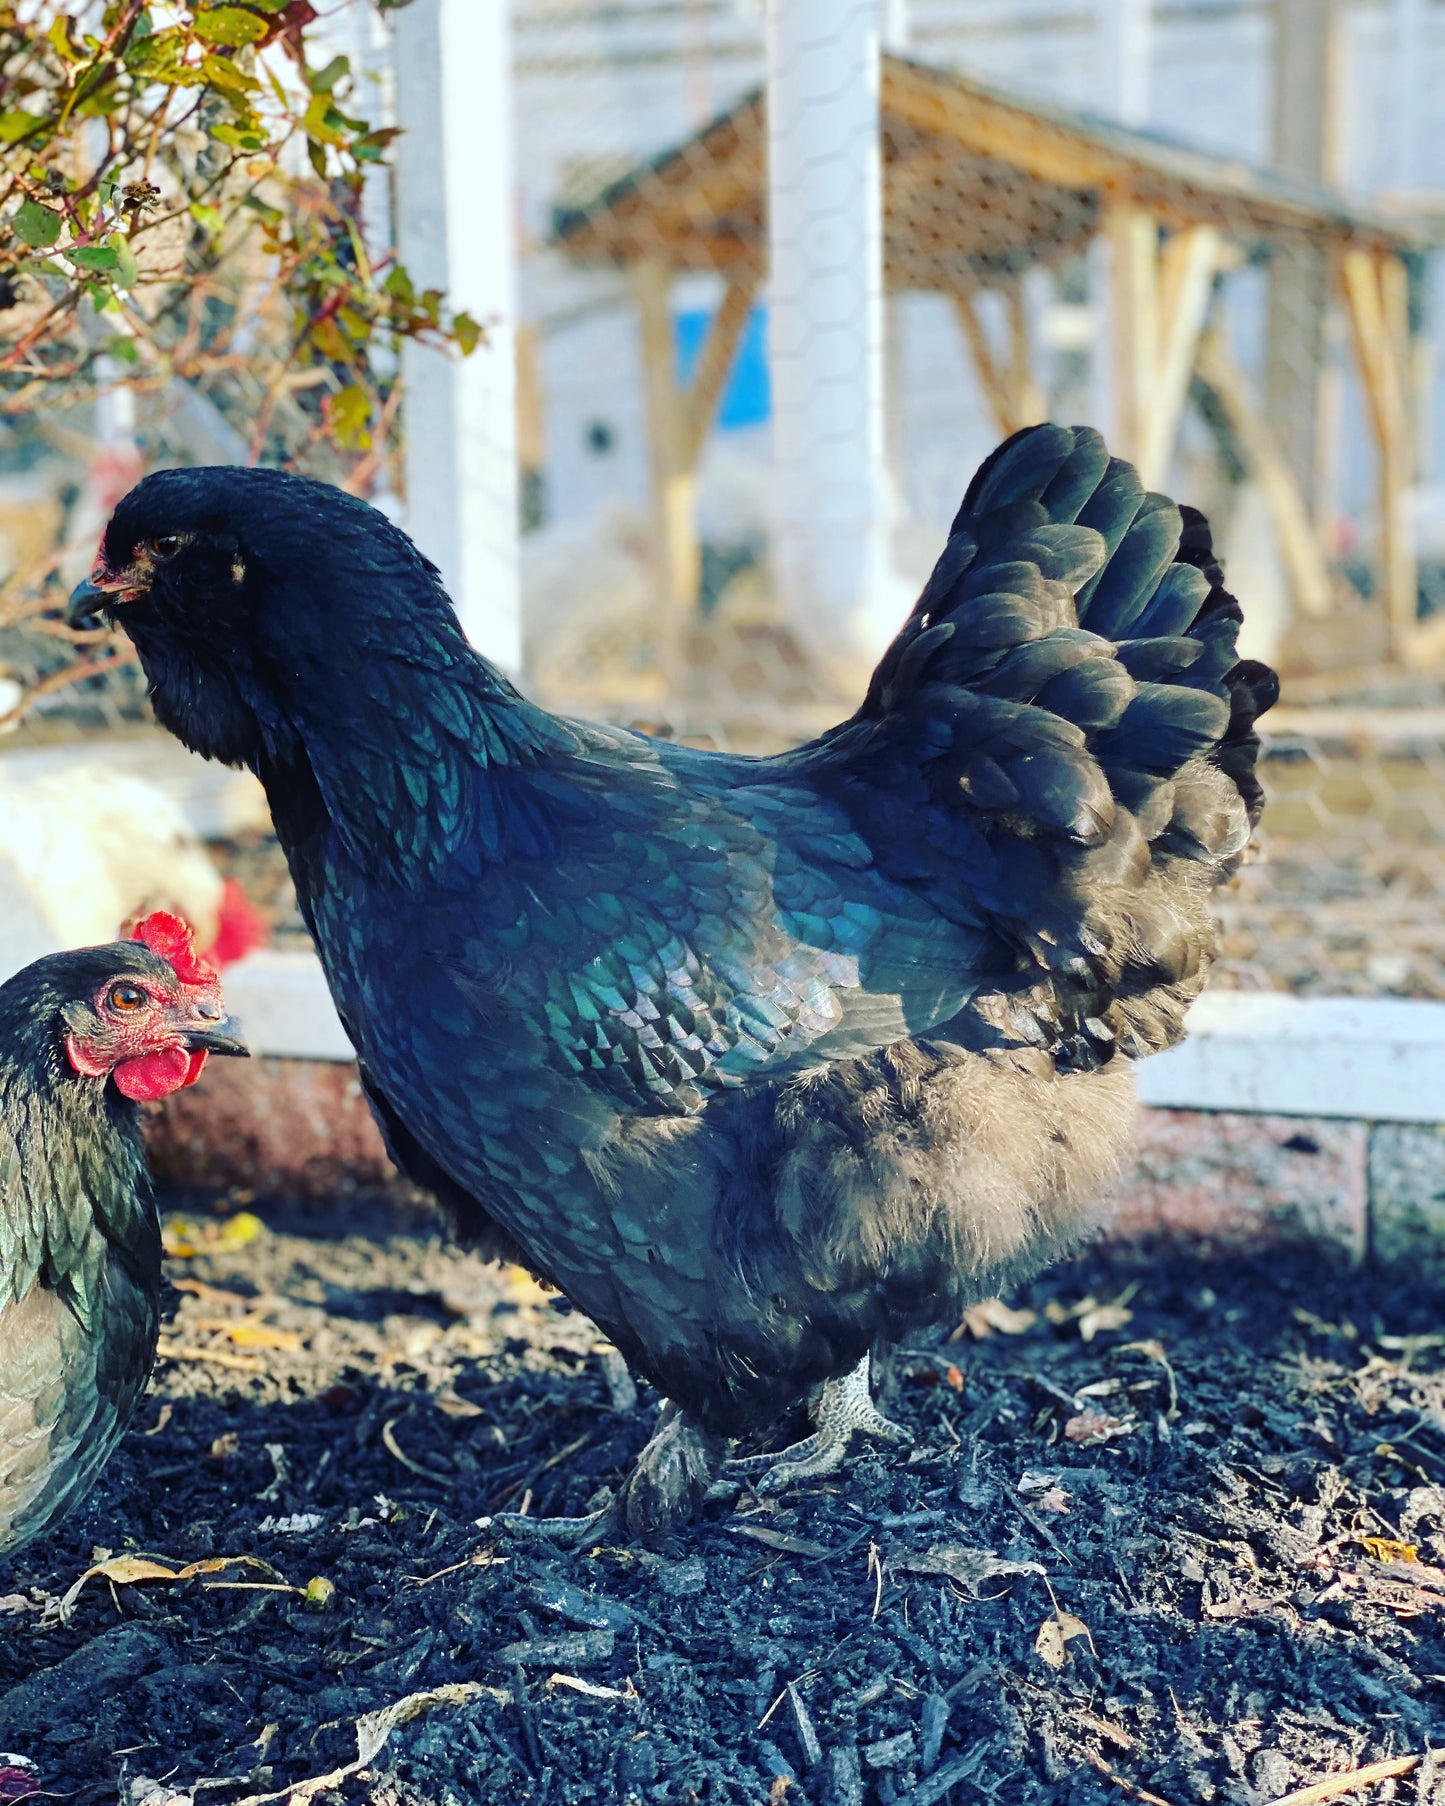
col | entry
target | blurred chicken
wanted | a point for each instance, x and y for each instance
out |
(85, 1038)
(87, 851)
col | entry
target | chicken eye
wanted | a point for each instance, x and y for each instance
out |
(126, 998)
(165, 545)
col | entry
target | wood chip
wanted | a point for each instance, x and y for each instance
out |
(1335, 1787)
(1132, 1788)
(807, 1734)
(394, 1448)
(779, 1539)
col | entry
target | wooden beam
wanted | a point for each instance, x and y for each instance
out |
(714, 362)
(673, 484)
(1133, 237)
(1187, 266)
(1376, 302)
(1026, 399)
(1001, 388)
(1299, 545)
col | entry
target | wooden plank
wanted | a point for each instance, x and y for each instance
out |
(1026, 401)
(673, 483)
(724, 334)
(1187, 267)
(1133, 237)
(1377, 307)
(991, 376)
(1299, 545)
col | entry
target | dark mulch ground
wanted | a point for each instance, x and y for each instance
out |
(1190, 1606)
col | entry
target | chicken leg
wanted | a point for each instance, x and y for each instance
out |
(844, 1409)
(669, 1481)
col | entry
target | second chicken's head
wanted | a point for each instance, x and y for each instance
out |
(146, 1013)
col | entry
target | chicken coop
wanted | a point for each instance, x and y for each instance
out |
(761, 288)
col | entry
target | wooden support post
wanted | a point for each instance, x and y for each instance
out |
(678, 422)
(1025, 398)
(715, 360)
(673, 483)
(1299, 546)
(1134, 245)
(1008, 385)
(1187, 267)
(1375, 298)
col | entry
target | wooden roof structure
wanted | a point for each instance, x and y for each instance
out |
(980, 186)
(978, 183)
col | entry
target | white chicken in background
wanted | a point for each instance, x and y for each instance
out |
(86, 850)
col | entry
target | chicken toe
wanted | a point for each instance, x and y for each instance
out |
(845, 1409)
(670, 1480)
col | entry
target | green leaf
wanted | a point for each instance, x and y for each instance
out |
(94, 257)
(229, 25)
(468, 333)
(15, 124)
(246, 138)
(323, 81)
(36, 225)
(123, 347)
(127, 272)
(209, 219)
(59, 39)
(323, 123)
(222, 73)
(351, 417)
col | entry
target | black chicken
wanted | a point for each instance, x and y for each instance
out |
(759, 1060)
(85, 1038)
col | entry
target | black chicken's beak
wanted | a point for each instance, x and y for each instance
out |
(223, 1036)
(87, 600)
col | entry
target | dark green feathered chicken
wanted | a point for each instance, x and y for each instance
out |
(85, 1038)
(759, 1060)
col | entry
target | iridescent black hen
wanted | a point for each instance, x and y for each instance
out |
(759, 1060)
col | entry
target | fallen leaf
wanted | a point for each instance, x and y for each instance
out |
(970, 1568)
(373, 1730)
(991, 1315)
(592, 1689)
(451, 1404)
(954, 1377)
(131, 1570)
(261, 1335)
(1102, 1317)
(1382, 1549)
(1043, 1491)
(1097, 1426)
(1056, 1633)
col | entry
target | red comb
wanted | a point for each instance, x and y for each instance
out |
(173, 939)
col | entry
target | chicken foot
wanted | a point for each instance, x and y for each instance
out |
(845, 1409)
(669, 1481)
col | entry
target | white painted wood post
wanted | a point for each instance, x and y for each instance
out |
(825, 201)
(1126, 53)
(456, 231)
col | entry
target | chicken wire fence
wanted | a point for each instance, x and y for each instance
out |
(1206, 226)
(1071, 229)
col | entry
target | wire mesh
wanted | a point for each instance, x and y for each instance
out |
(1206, 226)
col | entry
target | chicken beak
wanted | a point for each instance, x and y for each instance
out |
(87, 600)
(222, 1036)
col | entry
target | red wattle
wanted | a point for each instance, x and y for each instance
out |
(154, 1075)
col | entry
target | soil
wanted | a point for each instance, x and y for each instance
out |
(1175, 1525)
